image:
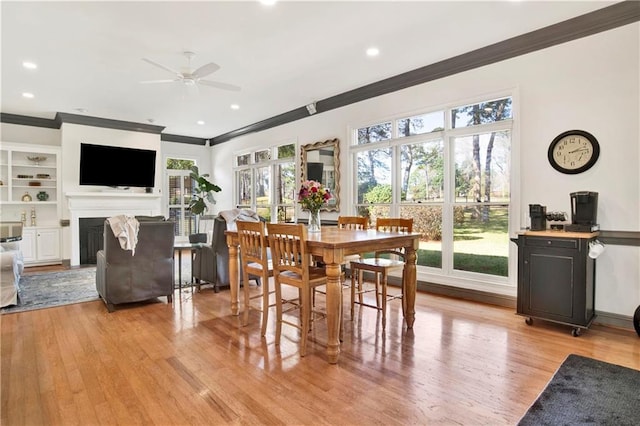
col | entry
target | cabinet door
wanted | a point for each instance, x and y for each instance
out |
(48, 244)
(28, 245)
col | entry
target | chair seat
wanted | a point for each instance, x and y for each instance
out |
(377, 263)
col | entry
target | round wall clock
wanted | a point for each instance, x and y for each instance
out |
(573, 151)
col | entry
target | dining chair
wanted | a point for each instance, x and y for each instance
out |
(292, 266)
(255, 261)
(347, 222)
(383, 262)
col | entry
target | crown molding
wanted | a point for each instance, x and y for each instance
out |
(25, 120)
(85, 120)
(183, 139)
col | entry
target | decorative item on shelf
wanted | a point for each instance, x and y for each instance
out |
(26, 197)
(202, 194)
(42, 196)
(37, 159)
(24, 176)
(43, 176)
(1, 183)
(33, 216)
(23, 218)
(34, 183)
(312, 196)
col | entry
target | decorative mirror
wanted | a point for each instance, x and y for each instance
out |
(320, 161)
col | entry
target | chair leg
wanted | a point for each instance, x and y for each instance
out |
(278, 311)
(384, 301)
(305, 314)
(265, 305)
(360, 284)
(247, 299)
(377, 289)
(170, 298)
(353, 292)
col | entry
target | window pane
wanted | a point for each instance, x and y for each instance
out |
(243, 160)
(481, 113)
(287, 151)
(285, 183)
(262, 156)
(263, 186)
(177, 164)
(373, 212)
(419, 124)
(379, 132)
(286, 214)
(481, 239)
(374, 176)
(422, 171)
(427, 220)
(243, 184)
(483, 167)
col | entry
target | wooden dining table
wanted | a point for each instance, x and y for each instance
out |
(333, 244)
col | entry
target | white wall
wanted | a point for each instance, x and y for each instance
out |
(590, 84)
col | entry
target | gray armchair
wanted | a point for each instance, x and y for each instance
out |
(211, 262)
(123, 278)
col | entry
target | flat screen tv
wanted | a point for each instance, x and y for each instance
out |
(115, 166)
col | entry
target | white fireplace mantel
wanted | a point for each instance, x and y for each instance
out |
(106, 204)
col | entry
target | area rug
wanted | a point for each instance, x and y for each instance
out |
(586, 391)
(47, 289)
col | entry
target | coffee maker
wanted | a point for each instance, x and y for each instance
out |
(584, 212)
(538, 215)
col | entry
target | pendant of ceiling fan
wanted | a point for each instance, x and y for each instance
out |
(189, 77)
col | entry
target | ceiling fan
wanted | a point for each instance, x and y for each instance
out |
(189, 77)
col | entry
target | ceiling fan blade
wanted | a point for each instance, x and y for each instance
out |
(205, 70)
(162, 66)
(219, 85)
(159, 81)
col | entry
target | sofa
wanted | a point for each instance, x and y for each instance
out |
(12, 266)
(125, 278)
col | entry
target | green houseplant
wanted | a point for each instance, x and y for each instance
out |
(200, 200)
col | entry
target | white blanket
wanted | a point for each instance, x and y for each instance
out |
(125, 228)
(231, 216)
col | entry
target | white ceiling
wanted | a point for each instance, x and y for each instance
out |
(89, 54)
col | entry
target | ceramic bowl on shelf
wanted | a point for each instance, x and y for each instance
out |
(37, 159)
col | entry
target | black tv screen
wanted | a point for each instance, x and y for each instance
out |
(105, 165)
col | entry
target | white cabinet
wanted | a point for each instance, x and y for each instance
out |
(41, 245)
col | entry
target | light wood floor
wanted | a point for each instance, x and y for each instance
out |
(191, 363)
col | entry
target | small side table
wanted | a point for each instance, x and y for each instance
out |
(179, 247)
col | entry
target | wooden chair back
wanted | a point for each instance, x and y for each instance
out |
(353, 222)
(253, 242)
(289, 248)
(394, 224)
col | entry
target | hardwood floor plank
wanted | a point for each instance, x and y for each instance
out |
(191, 362)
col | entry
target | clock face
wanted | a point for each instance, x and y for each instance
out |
(574, 151)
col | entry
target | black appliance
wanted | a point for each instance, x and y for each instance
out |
(584, 212)
(538, 215)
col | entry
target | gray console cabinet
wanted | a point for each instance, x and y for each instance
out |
(556, 278)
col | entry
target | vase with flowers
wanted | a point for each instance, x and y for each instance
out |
(312, 196)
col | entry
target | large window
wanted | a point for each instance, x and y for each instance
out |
(265, 181)
(449, 170)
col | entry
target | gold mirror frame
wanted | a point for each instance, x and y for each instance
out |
(330, 169)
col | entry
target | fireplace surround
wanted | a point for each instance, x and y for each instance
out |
(101, 205)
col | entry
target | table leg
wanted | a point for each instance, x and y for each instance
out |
(234, 281)
(409, 297)
(180, 269)
(334, 311)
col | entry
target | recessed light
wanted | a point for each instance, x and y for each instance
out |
(373, 51)
(29, 65)
(200, 122)
(235, 106)
(27, 95)
(81, 110)
(268, 2)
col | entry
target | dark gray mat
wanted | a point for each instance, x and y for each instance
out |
(48, 289)
(586, 391)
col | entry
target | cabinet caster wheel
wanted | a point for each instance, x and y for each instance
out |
(575, 332)
(528, 321)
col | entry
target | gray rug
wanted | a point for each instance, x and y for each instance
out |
(586, 391)
(47, 289)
